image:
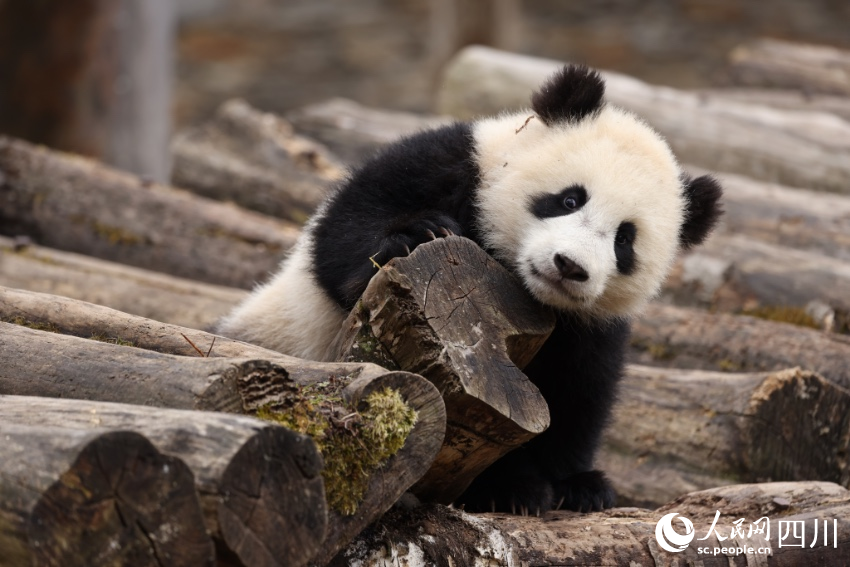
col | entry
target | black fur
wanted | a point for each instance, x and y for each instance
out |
(703, 210)
(624, 248)
(421, 186)
(570, 95)
(550, 205)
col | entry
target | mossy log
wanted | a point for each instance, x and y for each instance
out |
(454, 315)
(784, 64)
(354, 131)
(94, 497)
(78, 205)
(437, 535)
(260, 485)
(678, 337)
(329, 407)
(676, 431)
(255, 160)
(800, 149)
(738, 274)
(142, 292)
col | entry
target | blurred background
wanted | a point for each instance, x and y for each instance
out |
(71, 70)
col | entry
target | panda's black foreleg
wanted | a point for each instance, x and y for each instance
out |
(577, 371)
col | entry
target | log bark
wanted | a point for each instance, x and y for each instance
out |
(738, 274)
(454, 315)
(692, 338)
(45, 364)
(255, 160)
(144, 293)
(260, 487)
(94, 497)
(92, 77)
(784, 64)
(354, 131)
(437, 535)
(676, 431)
(78, 205)
(800, 149)
(783, 99)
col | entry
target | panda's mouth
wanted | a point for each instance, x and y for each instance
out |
(557, 284)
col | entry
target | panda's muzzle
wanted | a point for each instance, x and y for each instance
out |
(569, 269)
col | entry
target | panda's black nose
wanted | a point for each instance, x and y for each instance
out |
(569, 269)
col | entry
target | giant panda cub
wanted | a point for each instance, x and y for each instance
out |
(583, 201)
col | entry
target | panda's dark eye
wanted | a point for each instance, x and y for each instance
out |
(565, 202)
(621, 239)
(624, 248)
(571, 203)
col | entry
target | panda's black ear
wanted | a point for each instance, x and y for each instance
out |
(702, 209)
(569, 95)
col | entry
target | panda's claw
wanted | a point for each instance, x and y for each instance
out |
(446, 232)
(431, 234)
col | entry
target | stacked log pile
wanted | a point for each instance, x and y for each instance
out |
(134, 436)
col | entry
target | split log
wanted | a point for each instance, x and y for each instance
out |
(94, 497)
(783, 99)
(691, 338)
(90, 77)
(437, 535)
(801, 149)
(75, 204)
(331, 407)
(454, 315)
(738, 274)
(255, 160)
(785, 64)
(353, 131)
(261, 491)
(813, 221)
(677, 431)
(148, 294)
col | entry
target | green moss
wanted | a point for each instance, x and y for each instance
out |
(354, 444)
(18, 320)
(116, 235)
(783, 314)
(727, 365)
(100, 337)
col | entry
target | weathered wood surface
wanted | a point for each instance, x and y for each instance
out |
(142, 292)
(254, 159)
(784, 64)
(260, 486)
(94, 497)
(676, 431)
(783, 99)
(90, 77)
(354, 131)
(38, 363)
(77, 205)
(454, 315)
(800, 149)
(735, 273)
(437, 535)
(692, 338)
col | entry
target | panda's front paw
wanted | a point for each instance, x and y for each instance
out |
(588, 491)
(406, 234)
(517, 489)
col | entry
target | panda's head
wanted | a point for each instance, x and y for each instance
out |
(585, 201)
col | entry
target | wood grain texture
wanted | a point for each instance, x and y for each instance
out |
(93, 497)
(452, 314)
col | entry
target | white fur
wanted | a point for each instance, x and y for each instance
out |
(629, 173)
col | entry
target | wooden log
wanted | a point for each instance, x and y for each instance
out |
(354, 131)
(260, 486)
(90, 77)
(331, 408)
(454, 315)
(738, 274)
(812, 221)
(692, 338)
(148, 294)
(676, 431)
(94, 497)
(437, 535)
(255, 160)
(77, 205)
(784, 64)
(800, 149)
(782, 99)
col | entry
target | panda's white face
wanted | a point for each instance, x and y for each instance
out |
(587, 214)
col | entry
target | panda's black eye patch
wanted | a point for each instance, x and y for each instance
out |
(624, 248)
(568, 201)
